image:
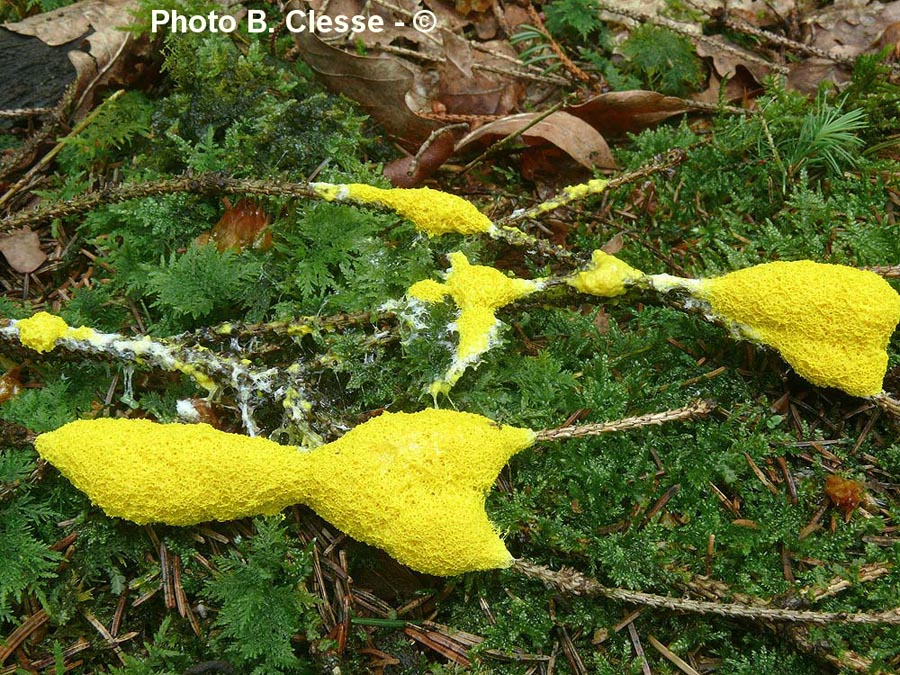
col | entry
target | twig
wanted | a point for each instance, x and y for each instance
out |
(14, 113)
(888, 403)
(638, 648)
(506, 227)
(676, 660)
(510, 72)
(574, 583)
(300, 326)
(208, 369)
(46, 159)
(886, 271)
(685, 30)
(20, 634)
(670, 160)
(574, 70)
(110, 640)
(780, 40)
(198, 184)
(432, 137)
(697, 409)
(58, 116)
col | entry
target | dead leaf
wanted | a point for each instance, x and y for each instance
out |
(844, 493)
(849, 28)
(890, 38)
(806, 76)
(602, 321)
(22, 250)
(100, 58)
(402, 173)
(514, 16)
(619, 112)
(726, 61)
(458, 51)
(456, 75)
(574, 136)
(614, 245)
(244, 224)
(10, 385)
(486, 26)
(738, 88)
(466, 6)
(383, 86)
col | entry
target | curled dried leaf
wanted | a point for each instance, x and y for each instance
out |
(844, 493)
(244, 224)
(10, 385)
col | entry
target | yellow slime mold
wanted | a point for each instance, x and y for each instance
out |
(412, 484)
(830, 322)
(478, 291)
(607, 276)
(41, 331)
(431, 211)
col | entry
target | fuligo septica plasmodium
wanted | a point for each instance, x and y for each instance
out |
(412, 484)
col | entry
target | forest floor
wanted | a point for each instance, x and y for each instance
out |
(167, 194)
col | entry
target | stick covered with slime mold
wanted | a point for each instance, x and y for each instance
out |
(831, 323)
(478, 291)
(411, 484)
(44, 332)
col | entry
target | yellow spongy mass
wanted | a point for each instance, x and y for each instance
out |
(606, 276)
(431, 211)
(41, 331)
(478, 291)
(428, 290)
(482, 286)
(413, 484)
(830, 322)
(178, 474)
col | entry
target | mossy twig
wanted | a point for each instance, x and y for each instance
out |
(572, 582)
(696, 409)
(209, 370)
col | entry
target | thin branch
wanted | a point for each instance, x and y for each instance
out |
(205, 184)
(46, 159)
(568, 64)
(886, 271)
(696, 409)
(509, 138)
(660, 163)
(15, 113)
(303, 325)
(574, 583)
(58, 116)
(686, 31)
(888, 403)
(209, 370)
(793, 45)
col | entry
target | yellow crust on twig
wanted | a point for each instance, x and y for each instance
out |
(431, 211)
(606, 276)
(830, 322)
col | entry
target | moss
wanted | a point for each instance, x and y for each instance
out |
(222, 106)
